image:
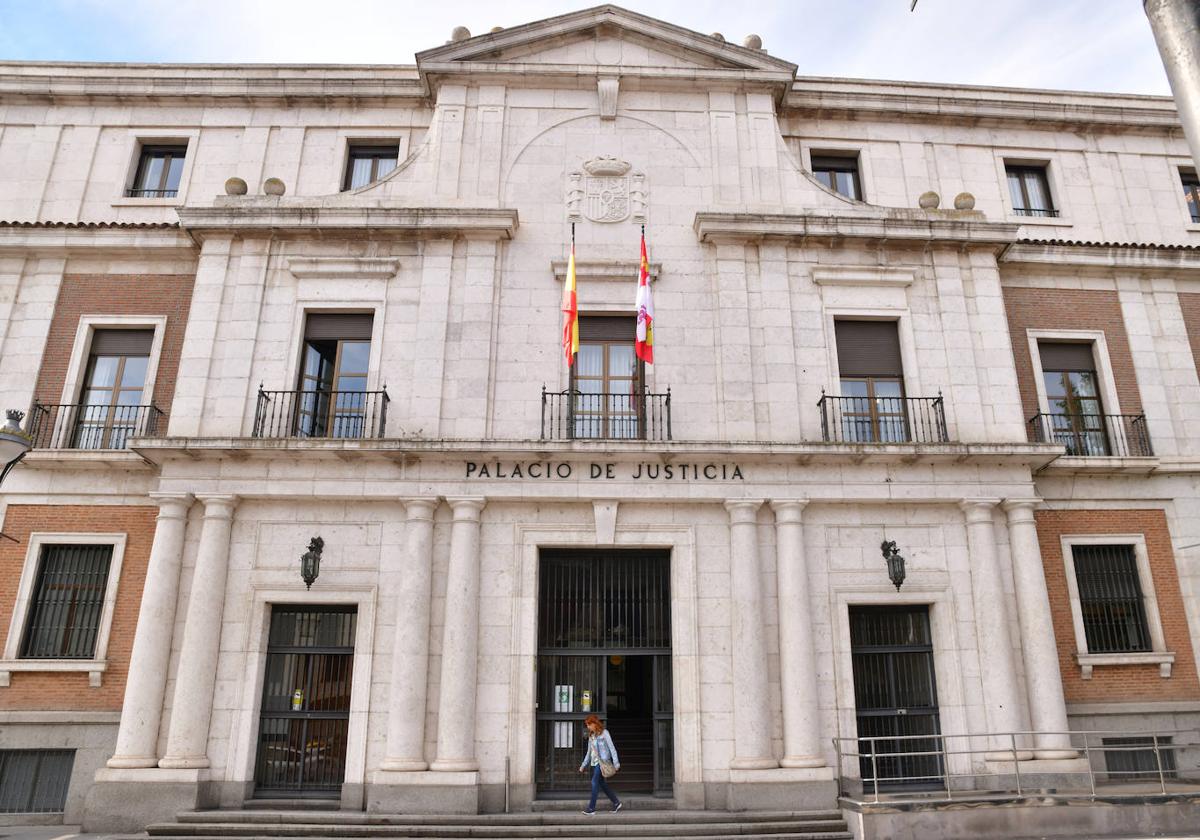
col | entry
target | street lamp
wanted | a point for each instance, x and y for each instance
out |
(894, 560)
(310, 561)
(14, 443)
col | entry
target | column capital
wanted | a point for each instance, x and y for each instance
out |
(743, 510)
(172, 505)
(466, 507)
(788, 510)
(218, 506)
(979, 510)
(419, 508)
(1020, 510)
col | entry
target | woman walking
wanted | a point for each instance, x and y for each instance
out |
(601, 755)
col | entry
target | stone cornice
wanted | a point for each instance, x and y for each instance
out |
(272, 216)
(912, 226)
(89, 240)
(1121, 256)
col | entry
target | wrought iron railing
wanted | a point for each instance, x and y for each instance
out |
(882, 419)
(134, 192)
(575, 415)
(1041, 212)
(1094, 435)
(321, 414)
(947, 768)
(82, 426)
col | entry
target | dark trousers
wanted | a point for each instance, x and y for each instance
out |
(599, 784)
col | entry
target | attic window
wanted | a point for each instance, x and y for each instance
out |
(368, 163)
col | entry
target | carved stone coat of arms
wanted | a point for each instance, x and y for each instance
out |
(605, 191)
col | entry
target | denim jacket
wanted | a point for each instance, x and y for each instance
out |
(600, 748)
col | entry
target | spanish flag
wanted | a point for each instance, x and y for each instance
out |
(644, 345)
(570, 308)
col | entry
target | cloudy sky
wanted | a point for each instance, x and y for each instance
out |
(1071, 44)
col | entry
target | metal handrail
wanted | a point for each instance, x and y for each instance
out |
(883, 419)
(89, 426)
(352, 415)
(575, 415)
(1094, 435)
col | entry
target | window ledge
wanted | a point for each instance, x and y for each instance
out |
(1042, 221)
(134, 201)
(94, 668)
(1192, 227)
(1163, 659)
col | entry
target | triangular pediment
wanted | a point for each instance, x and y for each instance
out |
(605, 36)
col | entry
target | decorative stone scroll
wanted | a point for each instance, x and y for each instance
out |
(605, 191)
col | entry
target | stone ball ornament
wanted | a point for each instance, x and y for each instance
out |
(964, 201)
(235, 186)
(929, 200)
(752, 42)
(459, 33)
(274, 186)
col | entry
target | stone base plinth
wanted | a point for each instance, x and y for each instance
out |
(425, 792)
(127, 800)
(781, 789)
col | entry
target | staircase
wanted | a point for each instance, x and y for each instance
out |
(634, 739)
(629, 824)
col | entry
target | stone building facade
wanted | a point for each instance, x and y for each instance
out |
(247, 306)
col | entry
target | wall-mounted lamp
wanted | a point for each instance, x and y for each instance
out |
(14, 443)
(894, 560)
(310, 561)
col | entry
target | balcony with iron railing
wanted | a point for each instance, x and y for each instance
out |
(85, 426)
(882, 419)
(1094, 435)
(575, 415)
(353, 415)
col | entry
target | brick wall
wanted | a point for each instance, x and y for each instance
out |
(70, 691)
(1070, 309)
(1114, 683)
(1190, 305)
(103, 294)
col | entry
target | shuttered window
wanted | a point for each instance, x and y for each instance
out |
(344, 326)
(34, 781)
(122, 342)
(868, 348)
(607, 328)
(1066, 356)
(68, 597)
(1110, 598)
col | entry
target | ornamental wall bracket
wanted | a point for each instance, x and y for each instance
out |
(605, 191)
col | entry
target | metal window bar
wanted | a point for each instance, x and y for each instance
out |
(355, 415)
(609, 600)
(82, 426)
(1045, 212)
(575, 415)
(1094, 435)
(34, 781)
(68, 597)
(1111, 599)
(1138, 758)
(134, 192)
(883, 419)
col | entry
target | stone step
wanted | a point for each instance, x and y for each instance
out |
(551, 812)
(593, 833)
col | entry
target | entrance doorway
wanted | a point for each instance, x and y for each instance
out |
(604, 648)
(306, 702)
(895, 696)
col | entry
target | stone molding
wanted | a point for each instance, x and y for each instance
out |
(337, 268)
(619, 270)
(268, 216)
(1144, 257)
(957, 227)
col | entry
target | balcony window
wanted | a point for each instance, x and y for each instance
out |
(838, 172)
(333, 379)
(1191, 192)
(1076, 414)
(872, 382)
(111, 402)
(366, 164)
(158, 172)
(1029, 189)
(607, 379)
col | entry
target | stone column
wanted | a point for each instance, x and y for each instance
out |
(196, 677)
(997, 664)
(751, 712)
(460, 642)
(410, 644)
(797, 658)
(145, 687)
(1043, 680)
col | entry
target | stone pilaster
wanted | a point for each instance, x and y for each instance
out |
(751, 712)
(1047, 708)
(191, 709)
(145, 687)
(797, 658)
(460, 642)
(410, 644)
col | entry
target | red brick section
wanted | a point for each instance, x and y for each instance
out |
(1070, 309)
(110, 294)
(1190, 304)
(70, 691)
(1113, 683)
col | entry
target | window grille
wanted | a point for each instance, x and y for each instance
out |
(68, 597)
(1110, 599)
(1129, 759)
(34, 781)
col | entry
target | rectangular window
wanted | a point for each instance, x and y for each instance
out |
(158, 172)
(872, 381)
(839, 172)
(1132, 759)
(333, 399)
(110, 407)
(1110, 599)
(369, 163)
(1191, 192)
(1030, 190)
(1076, 413)
(607, 379)
(68, 598)
(34, 781)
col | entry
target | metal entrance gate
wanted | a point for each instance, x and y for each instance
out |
(306, 702)
(604, 648)
(895, 696)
